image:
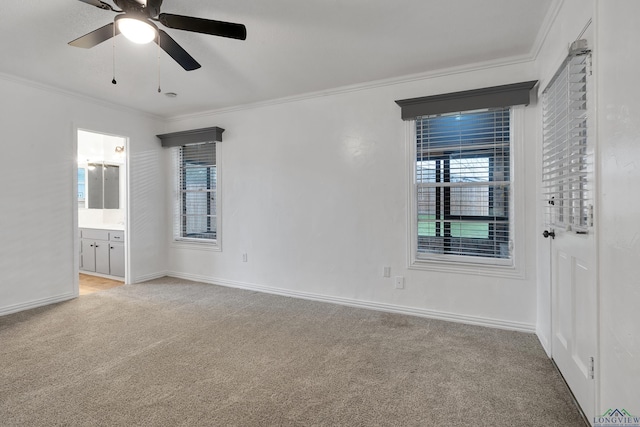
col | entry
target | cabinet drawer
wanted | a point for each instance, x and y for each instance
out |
(116, 236)
(92, 233)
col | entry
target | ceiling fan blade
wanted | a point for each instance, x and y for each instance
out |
(174, 50)
(95, 37)
(98, 3)
(204, 26)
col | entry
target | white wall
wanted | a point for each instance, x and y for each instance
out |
(38, 196)
(315, 192)
(617, 61)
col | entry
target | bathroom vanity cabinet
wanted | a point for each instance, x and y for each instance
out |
(102, 251)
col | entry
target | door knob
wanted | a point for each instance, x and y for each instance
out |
(548, 234)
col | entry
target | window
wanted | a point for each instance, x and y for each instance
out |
(81, 186)
(463, 195)
(463, 186)
(198, 178)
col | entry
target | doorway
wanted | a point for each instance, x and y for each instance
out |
(568, 183)
(101, 210)
(91, 284)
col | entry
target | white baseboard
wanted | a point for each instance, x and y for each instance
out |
(152, 276)
(36, 303)
(544, 342)
(390, 308)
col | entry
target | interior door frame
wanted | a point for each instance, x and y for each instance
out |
(587, 32)
(99, 129)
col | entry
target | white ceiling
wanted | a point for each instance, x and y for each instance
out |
(292, 47)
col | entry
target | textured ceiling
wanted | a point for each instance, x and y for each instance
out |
(292, 47)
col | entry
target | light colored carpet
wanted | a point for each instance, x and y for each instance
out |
(172, 352)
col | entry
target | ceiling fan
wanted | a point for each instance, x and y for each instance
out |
(136, 21)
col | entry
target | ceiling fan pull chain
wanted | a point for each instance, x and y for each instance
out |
(113, 43)
(159, 49)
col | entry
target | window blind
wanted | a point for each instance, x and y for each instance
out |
(566, 161)
(463, 182)
(197, 191)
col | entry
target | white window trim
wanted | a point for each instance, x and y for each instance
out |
(515, 266)
(178, 242)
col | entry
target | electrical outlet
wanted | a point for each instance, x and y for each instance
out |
(399, 281)
(386, 272)
(244, 258)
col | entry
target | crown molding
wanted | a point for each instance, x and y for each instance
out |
(478, 66)
(532, 55)
(545, 28)
(76, 95)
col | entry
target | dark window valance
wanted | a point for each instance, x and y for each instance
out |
(194, 136)
(489, 97)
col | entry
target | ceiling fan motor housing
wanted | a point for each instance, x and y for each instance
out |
(150, 10)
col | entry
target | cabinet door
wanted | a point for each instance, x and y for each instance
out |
(102, 257)
(88, 262)
(116, 258)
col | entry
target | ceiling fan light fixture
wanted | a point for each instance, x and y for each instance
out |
(137, 30)
(136, 19)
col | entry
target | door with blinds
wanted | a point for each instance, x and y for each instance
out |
(568, 185)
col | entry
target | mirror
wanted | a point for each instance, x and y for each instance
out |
(99, 186)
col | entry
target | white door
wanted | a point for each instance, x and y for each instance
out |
(574, 313)
(569, 183)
